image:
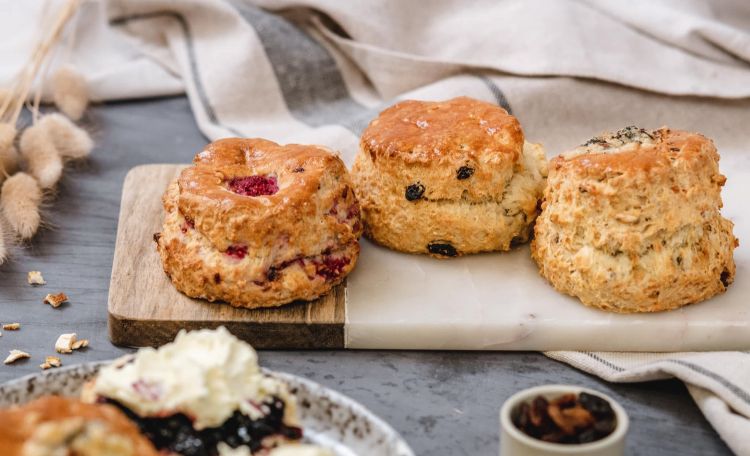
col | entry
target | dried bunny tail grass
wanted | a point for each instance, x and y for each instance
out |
(69, 92)
(20, 199)
(7, 135)
(5, 242)
(42, 159)
(8, 162)
(71, 141)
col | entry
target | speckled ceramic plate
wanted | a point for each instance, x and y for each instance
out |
(329, 418)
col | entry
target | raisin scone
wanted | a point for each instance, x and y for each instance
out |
(53, 426)
(200, 394)
(631, 223)
(448, 178)
(257, 224)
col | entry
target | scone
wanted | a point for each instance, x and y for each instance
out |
(448, 178)
(53, 425)
(198, 394)
(631, 223)
(257, 224)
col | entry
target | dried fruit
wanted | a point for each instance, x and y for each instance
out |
(65, 343)
(568, 418)
(15, 355)
(237, 251)
(254, 185)
(80, 343)
(414, 191)
(51, 361)
(464, 172)
(55, 300)
(725, 278)
(35, 278)
(595, 404)
(331, 267)
(442, 248)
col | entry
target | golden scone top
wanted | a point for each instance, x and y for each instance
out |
(241, 191)
(279, 171)
(637, 149)
(422, 131)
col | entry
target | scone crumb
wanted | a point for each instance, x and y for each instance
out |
(35, 278)
(80, 343)
(12, 326)
(55, 300)
(50, 362)
(15, 355)
(65, 343)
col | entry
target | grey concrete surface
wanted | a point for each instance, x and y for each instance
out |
(443, 403)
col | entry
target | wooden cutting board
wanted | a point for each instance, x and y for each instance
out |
(146, 310)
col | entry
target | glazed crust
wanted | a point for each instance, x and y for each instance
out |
(631, 222)
(51, 422)
(295, 243)
(448, 178)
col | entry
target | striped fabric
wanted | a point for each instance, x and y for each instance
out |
(317, 71)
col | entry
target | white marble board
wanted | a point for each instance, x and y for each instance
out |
(499, 302)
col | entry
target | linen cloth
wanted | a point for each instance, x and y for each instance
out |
(316, 71)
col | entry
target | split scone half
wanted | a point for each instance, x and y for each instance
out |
(201, 395)
(257, 224)
(631, 223)
(53, 426)
(448, 178)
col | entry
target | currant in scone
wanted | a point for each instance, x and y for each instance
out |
(257, 224)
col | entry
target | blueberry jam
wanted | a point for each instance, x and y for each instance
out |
(254, 185)
(331, 268)
(175, 433)
(237, 251)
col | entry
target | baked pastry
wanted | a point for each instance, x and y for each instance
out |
(257, 224)
(448, 178)
(199, 393)
(53, 425)
(631, 223)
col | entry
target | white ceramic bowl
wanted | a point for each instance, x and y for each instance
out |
(514, 442)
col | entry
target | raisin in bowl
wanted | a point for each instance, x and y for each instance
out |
(562, 419)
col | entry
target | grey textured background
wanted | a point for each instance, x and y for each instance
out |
(443, 403)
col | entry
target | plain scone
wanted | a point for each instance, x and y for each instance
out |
(631, 223)
(448, 178)
(258, 224)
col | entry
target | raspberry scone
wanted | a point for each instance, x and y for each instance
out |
(199, 395)
(631, 222)
(448, 178)
(257, 224)
(53, 426)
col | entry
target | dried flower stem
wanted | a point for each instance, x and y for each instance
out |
(12, 106)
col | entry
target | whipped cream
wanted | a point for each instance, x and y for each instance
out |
(205, 374)
(300, 449)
